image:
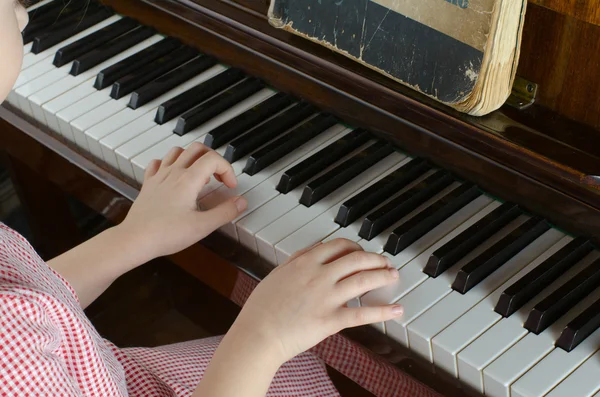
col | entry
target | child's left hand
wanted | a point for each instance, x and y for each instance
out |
(165, 218)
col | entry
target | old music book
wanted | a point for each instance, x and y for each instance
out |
(463, 53)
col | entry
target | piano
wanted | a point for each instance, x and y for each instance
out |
(493, 222)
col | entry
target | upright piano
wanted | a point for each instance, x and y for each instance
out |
(493, 221)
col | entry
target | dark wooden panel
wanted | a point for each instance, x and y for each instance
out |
(46, 209)
(586, 10)
(562, 55)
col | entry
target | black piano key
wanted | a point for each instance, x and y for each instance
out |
(70, 27)
(319, 161)
(580, 328)
(49, 17)
(422, 223)
(447, 255)
(494, 257)
(377, 193)
(393, 211)
(170, 80)
(546, 312)
(287, 143)
(217, 105)
(88, 43)
(136, 79)
(198, 94)
(515, 296)
(120, 69)
(268, 131)
(332, 180)
(245, 121)
(108, 50)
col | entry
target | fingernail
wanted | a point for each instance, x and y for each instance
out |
(394, 273)
(241, 203)
(398, 310)
(388, 261)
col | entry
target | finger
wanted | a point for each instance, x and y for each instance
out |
(355, 262)
(151, 169)
(213, 164)
(298, 254)
(191, 154)
(357, 316)
(365, 281)
(332, 250)
(171, 157)
(224, 213)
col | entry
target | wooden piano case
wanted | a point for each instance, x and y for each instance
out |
(546, 157)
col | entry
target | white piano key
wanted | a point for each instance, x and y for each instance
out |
(63, 101)
(140, 143)
(555, 367)
(41, 101)
(377, 244)
(412, 272)
(255, 199)
(453, 306)
(268, 238)
(253, 221)
(158, 151)
(48, 54)
(90, 119)
(583, 382)
(324, 225)
(146, 140)
(99, 131)
(355, 302)
(448, 343)
(35, 71)
(432, 290)
(239, 165)
(415, 303)
(36, 84)
(513, 349)
(83, 106)
(38, 5)
(123, 135)
(348, 233)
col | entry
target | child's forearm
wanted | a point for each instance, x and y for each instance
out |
(243, 365)
(92, 267)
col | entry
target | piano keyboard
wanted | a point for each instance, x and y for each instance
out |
(493, 295)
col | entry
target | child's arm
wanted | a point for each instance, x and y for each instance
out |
(298, 305)
(163, 220)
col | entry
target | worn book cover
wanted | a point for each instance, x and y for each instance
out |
(437, 47)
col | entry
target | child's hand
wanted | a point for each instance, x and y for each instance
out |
(304, 301)
(165, 218)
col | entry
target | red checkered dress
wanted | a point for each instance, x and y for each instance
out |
(49, 348)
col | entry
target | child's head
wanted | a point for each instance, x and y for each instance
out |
(13, 19)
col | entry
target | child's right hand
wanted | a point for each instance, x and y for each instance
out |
(304, 300)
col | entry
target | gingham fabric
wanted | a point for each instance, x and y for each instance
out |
(48, 347)
(371, 372)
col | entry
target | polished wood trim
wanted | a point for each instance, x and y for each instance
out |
(585, 10)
